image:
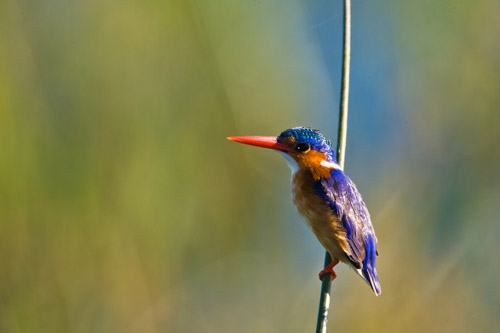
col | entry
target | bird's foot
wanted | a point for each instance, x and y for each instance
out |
(329, 270)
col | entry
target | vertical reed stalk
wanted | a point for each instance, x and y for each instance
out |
(324, 301)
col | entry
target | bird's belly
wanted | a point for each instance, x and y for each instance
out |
(326, 227)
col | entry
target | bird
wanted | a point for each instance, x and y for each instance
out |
(328, 199)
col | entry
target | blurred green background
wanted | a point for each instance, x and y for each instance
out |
(123, 208)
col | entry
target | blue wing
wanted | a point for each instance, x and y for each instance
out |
(346, 203)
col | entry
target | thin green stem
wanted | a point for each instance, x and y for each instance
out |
(344, 97)
(324, 301)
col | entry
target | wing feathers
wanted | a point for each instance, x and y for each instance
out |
(346, 203)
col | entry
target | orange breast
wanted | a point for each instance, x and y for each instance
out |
(319, 217)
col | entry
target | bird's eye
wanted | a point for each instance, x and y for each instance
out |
(302, 147)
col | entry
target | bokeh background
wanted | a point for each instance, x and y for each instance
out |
(123, 208)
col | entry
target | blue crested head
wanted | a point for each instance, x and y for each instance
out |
(304, 149)
(307, 138)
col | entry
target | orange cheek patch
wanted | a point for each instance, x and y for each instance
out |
(312, 161)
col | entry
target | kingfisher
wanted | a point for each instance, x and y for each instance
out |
(327, 198)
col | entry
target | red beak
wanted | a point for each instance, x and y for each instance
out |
(261, 141)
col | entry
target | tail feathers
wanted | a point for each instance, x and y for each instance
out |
(369, 274)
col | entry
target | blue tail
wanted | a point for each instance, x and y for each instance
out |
(370, 275)
(369, 271)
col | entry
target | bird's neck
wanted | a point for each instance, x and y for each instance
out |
(317, 164)
(314, 163)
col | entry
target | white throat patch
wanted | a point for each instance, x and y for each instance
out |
(291, 162)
